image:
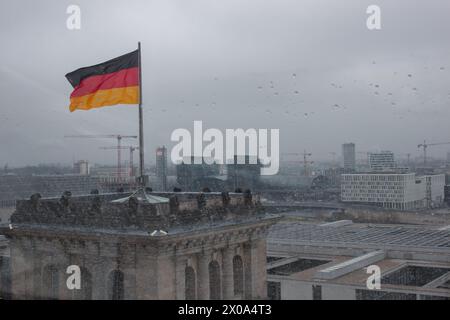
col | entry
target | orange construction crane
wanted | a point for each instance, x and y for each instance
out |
(110, 136)
(305, 160)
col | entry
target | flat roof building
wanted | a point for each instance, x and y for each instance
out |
(330, 262)
(402, 191)
(381, 161)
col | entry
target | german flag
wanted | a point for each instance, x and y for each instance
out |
(109, 83)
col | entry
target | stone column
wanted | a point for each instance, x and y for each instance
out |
(248, 258)
(203, 275)
(19, 268)
(99, 276)
(146, 271)
(166, 277)
(255, 269)
(180, 285)
(227, 271)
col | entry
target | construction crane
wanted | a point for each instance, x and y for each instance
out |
(305, 160)
(408, 156)
(334, 158)
(425, 146)
(130, 148)
(108, 136)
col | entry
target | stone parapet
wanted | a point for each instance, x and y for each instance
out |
(97, 211)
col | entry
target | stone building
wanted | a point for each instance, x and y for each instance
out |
(143, 246)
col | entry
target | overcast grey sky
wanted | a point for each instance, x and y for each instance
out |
(230, 63)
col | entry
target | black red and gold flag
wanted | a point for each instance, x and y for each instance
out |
(109, 83)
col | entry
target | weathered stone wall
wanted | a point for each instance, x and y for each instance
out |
(153, 269)
(5, 277)
(104, 238)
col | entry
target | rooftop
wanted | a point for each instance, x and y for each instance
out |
(362, 235)
(136, 214)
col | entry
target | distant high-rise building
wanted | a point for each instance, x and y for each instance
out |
(349, 156)
(382, 161)
(81, 167)
(161, 167)
(448, 157)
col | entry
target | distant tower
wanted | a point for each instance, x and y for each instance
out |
(349, 156)
(161, 167)
(81, 167)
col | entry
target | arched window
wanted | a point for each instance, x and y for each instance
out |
(50, 283)
(116, 285)
(189, 278)
(214, 281)
(238, 275)
(85, 293)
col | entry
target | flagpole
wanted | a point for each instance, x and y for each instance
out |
(141, 124)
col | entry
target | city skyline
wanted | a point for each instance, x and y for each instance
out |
(245, 151)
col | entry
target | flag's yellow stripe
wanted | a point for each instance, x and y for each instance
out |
(103, 98)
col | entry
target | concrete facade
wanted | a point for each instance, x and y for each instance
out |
(393, 190)
(381, 161)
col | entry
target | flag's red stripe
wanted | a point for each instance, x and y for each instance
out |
(119, 79)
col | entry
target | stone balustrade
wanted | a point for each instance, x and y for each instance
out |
(97, 211)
